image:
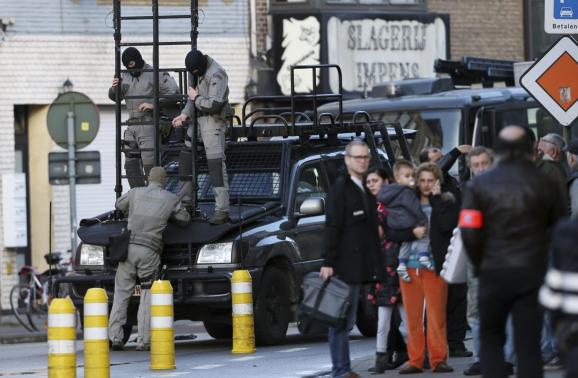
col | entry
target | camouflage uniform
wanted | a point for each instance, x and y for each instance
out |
(141, 136)
(149, 209)
(212, 109)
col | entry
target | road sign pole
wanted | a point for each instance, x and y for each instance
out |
(72, 178)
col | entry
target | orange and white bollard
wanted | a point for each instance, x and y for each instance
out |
(96, 353)
(61, 339)
(162, 331)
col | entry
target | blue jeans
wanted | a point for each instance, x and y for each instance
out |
(474, 321)
(548, 343)
(339, 337)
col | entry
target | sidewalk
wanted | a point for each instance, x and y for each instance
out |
(360, 366)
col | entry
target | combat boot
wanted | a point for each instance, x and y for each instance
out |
(380, 363)
(219, 217)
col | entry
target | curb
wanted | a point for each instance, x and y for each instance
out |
(21, 339)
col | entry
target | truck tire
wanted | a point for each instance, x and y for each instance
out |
(272, 307)
(218, 330)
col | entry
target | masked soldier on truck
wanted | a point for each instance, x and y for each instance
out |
(140, 137)
(210, 103)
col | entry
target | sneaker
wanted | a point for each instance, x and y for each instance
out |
(400, 359)
(473, 369)
(442, 367)
(402, 273)
(219, 217)
(426, 262)
(410, 369)
(553, 365)
(143, 348)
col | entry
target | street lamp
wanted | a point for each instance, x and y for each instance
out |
(67, 86)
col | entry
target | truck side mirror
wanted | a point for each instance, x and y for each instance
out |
(312, 206)
(309, 207)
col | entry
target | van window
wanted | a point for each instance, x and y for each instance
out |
(437, 128)
(536, 118)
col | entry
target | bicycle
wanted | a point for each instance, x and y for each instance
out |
(30, 300)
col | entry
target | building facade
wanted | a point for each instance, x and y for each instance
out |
(499, 29)
(73, 40)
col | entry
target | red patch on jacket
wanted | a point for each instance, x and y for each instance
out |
(471, 219)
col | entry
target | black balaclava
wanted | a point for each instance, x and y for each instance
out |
(132, 54)
(195, 60)
(519, 149)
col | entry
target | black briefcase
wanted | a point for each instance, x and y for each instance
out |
(323, 301)
(118, 246)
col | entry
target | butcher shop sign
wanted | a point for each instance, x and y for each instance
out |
(374, 51)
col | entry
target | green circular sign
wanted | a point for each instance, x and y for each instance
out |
(86, 119)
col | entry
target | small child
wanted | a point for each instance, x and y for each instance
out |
(405, 212)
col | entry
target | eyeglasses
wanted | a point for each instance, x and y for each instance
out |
(360, 157)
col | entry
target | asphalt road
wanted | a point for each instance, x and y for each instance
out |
(206, 357)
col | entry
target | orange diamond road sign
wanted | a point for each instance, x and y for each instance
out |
(553, 80)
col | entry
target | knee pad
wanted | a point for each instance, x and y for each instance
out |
(133, 146)
(216, 172)
(185, 166)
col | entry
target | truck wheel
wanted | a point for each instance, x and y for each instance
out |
(219, 330)
(366, 323)
(272, 307)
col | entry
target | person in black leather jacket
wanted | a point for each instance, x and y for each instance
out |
(506, 218)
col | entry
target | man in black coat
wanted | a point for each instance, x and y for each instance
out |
(506, 218)
(352, 249)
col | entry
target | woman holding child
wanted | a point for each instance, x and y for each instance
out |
(424, 256)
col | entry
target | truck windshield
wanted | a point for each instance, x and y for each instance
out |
(437, 128)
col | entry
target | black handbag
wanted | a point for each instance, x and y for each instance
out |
(323, 301)
(118, 246)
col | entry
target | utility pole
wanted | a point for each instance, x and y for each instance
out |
(72, 176)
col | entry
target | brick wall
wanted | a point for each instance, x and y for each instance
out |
(261, 9)
(488, 28)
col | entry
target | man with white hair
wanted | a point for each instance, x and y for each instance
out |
(550, 161)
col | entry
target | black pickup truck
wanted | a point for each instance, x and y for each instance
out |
(277, 189)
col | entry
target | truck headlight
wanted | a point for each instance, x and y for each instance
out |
(91, 255)
(218, 253)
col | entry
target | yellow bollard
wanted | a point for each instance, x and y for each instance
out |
(61, 339)
(162, 332)
(96, 354)
(243, 325)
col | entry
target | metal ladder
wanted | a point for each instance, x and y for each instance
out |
(183, 77)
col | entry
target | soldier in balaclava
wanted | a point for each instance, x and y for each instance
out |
(139, 139)
(209, 101)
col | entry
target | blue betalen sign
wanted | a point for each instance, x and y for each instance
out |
(566, 9)
(561, 16)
